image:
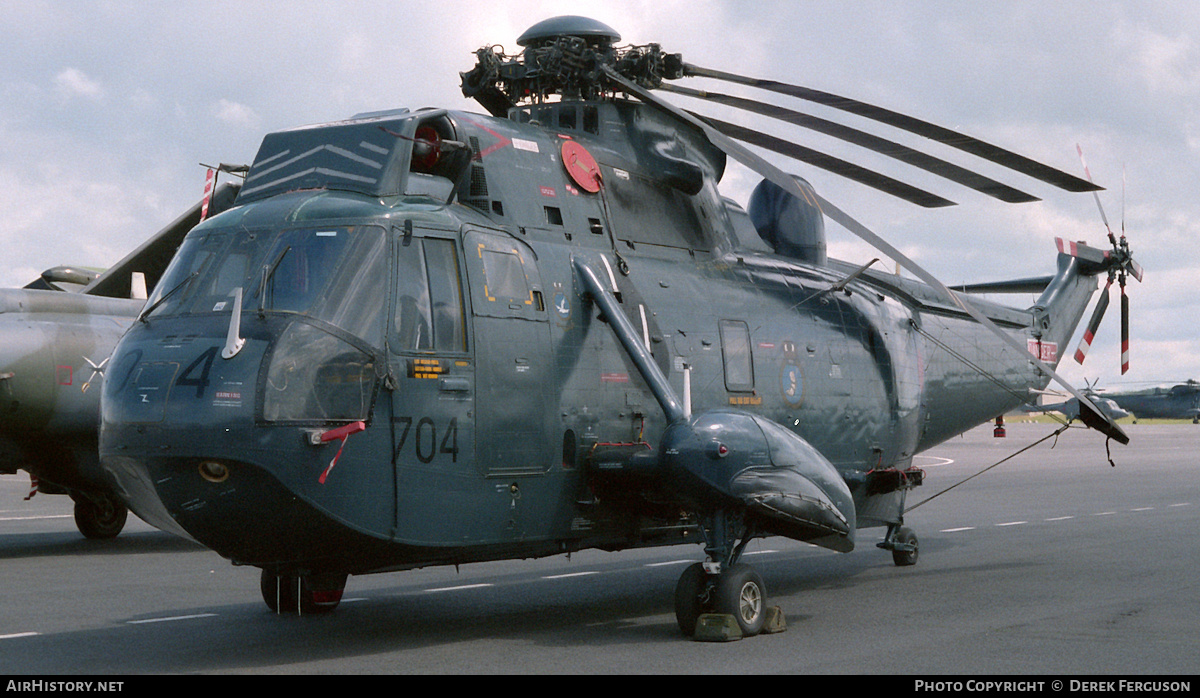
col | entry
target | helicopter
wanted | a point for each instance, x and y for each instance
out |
(56, 335)
(1070, 408)
(1180, 401)
(435, 337)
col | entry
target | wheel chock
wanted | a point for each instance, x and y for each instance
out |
(717, 627)
(775, 622)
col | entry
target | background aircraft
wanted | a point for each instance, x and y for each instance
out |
(54, 349)
(1180, 401)
(1070, 408)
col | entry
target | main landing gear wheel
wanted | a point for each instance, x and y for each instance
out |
(741, 594)
(317, 593)
(737, 592)
(693, 598)
(99, 517)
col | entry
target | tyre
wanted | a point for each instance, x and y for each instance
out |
(691, 598)
(100, 518)
(741, 594)
(318, 593)
(906, 556)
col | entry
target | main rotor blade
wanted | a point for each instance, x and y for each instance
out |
(828, 162)
(1089, 413)
(903, 153)
(940, 134)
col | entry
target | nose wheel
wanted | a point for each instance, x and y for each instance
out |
(740, 593)
(99, 516)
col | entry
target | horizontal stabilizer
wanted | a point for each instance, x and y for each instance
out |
(1035, 284)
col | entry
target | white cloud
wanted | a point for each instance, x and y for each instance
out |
(1167, 63)
(236, 114)
(73, 82)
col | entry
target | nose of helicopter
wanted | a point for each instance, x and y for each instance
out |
(222, 451)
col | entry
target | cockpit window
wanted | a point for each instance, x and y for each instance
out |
(179, 283)
(297, 270)
(330, 273)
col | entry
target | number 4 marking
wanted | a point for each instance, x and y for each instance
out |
(202, 381)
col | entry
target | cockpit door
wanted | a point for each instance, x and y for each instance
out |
(429, 343)
(516, 407)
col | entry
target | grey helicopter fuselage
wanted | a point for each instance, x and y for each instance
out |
(1181, 401)
(419, 375)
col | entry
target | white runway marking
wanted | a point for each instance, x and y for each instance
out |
(34, 518)
(172, 618)
(459, 588)
(571, 574)
(937, 461)
(670, 562)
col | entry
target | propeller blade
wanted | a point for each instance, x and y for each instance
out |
(826, 162)
(940, 134)
(1089, 413)
(916, 158)
(1090, 333)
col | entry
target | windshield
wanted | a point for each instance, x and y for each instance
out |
(335, 274)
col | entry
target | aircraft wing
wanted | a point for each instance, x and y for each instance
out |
(152, 257)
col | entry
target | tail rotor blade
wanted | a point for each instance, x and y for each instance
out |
(1111, 238)
(1124, 331)
(1089, 335)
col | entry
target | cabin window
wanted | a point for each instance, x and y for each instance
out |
(429, 306)
(505, 277)
(735, 352)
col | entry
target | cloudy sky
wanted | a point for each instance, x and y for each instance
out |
(107, 110)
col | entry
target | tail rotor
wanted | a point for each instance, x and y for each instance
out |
(1120, 264)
